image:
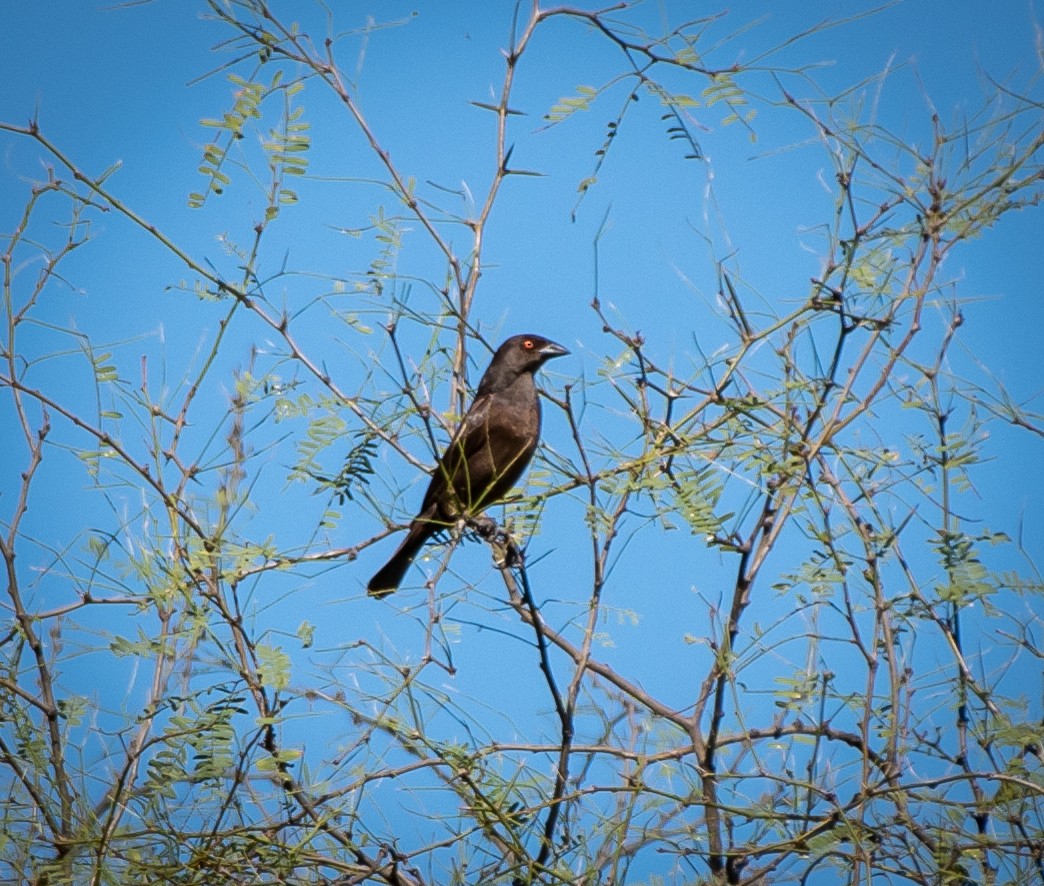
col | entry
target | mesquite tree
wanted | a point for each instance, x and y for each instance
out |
(759, 623)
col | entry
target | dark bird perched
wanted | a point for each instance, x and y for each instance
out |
(487, 455)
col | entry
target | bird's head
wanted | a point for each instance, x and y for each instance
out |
(519, 355)
(526, 353)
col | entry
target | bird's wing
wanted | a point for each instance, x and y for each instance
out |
(469, 439)
(482, 461)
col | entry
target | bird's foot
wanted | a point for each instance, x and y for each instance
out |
(506, 552)
(485, 526)
(513, 556)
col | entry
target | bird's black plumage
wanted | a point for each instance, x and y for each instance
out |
(492, 447)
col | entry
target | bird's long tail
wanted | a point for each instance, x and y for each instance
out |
(389, 576)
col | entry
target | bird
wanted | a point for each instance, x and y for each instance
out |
(492, 447)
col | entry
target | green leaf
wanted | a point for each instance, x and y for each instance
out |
(306, 634)
(275, 666)
(277, 760)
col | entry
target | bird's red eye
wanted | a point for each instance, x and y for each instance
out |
(528, 344)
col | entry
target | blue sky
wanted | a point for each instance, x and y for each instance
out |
(112, 82)
(121, 85)
(110, 85)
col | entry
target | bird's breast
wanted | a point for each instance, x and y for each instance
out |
(516, 413)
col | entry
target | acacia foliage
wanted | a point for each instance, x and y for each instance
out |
(837, 689)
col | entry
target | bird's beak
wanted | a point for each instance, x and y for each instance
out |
(552, 350)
